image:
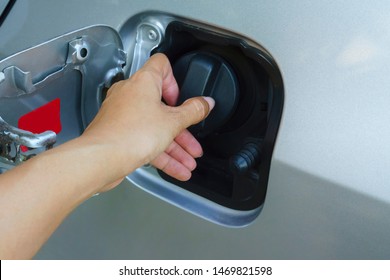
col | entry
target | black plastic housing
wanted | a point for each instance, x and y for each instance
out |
(234, 169)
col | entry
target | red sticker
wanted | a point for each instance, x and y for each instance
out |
(46, 117)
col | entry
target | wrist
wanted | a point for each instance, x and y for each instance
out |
(108, 161)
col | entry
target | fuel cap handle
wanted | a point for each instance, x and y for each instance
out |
(206, 74)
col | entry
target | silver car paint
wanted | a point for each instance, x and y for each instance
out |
(328, 194)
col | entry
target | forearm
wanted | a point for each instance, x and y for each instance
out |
(36, 196)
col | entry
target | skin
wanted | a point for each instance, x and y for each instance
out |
(133, 127)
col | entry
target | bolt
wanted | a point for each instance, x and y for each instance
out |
(152, 35)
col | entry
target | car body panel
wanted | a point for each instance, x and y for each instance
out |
(328, 194)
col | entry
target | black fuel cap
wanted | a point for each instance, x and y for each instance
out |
(207, 74)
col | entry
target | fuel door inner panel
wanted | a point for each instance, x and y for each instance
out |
(51, 92)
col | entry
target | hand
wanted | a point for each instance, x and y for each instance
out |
(132, 128)
(141, 129)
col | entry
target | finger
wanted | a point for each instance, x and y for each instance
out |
(193, 110)
(171, 167)
(181, 155)
(170, 89)
(189, 143)
(160, 65)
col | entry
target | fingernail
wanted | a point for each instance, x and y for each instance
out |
(210, 101)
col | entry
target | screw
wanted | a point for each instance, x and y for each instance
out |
(152, 35)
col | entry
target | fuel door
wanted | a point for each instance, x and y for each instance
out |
(51, 92)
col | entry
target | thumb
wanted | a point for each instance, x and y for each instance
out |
(194, 110)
